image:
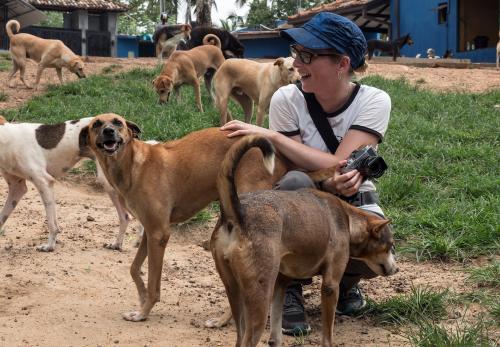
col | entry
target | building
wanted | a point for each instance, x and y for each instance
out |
(90, 26)
(468, 28)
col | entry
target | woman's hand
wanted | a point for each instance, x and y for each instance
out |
(344, 184)
(239, 128)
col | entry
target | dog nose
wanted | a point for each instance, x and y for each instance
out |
(108, 131)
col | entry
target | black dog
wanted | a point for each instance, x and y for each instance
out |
(391, 47)
(231, 47)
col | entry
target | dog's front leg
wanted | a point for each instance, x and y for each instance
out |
(122, 216)
(17, 188)
(154, 244)
(329, 299)
(59, 74)
(45, 186)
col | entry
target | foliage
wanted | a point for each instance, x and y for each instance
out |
(54, 19)
(261, 13)
(142, 16)
(486, 276)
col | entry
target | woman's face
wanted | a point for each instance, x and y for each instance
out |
(322, 70)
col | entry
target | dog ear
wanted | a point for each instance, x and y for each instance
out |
(279, 62)
(134, 128)
(83, 139)
(154, 80)
(375, 226)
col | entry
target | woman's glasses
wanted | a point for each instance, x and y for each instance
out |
(307, 56)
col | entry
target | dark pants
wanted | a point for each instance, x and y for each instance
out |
(356, 269)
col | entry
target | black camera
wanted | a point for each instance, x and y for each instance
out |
(367, 162)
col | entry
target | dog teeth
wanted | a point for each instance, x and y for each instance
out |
(110, 147)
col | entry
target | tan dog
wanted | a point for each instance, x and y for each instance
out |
(247, 80)
(165, 183)
(187, 67)
(264, 239)
(47, 53)
(167, 47)
(2, 120)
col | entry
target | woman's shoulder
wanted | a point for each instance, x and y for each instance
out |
(370, 93)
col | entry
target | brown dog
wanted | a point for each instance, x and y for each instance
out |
(47, 53)
(269, 237)
(187, 67)
(165, 48)
(247, 80)
(165, 183)
(2, 120)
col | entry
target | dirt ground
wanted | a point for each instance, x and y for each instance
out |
(75, 295)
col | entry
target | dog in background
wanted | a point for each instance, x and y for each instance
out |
(231, 47)
(165, 47)
(448, 54)
(41, 153)
(431, 54)
(186, 67)
(47, 53)
(392, 47)
(263, 239)
(248, 82)
(166, 183)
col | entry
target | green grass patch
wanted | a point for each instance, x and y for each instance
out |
(486, 276)
(420, 303)
(5, 65)
(111, 68)
(441, 189)
(430, 334)
(3, 96)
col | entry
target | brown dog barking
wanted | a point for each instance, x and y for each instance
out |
(165, 183)
(269, 237)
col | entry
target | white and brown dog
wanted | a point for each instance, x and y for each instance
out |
(41, 153)
(248, 82)
(47, 53)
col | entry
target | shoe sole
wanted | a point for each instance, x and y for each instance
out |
(352, 312)
(297, 331)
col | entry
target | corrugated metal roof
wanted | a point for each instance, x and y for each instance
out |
(91, 5)
(331, 7)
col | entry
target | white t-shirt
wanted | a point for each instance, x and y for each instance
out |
(368, 109)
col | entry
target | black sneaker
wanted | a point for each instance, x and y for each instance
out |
(350, 302)
(294, 316)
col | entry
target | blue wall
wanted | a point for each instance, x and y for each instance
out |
(127, 43)
(266, 47)
(420, 19)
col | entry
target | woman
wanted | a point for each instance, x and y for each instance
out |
(327, 51)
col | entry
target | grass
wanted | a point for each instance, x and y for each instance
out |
(441, 189)
(487, 276)
(3, 96)
(111, 68)
(420, 303)
(429, 334)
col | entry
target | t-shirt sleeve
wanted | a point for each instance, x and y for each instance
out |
(281, 117)
(374, 115)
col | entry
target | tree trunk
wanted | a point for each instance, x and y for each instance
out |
(204, 12)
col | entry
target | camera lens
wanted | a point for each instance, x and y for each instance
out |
(375, 167)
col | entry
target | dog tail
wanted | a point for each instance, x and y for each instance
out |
(211, 39)
(229, 201)
(8, 27)
(3, 120)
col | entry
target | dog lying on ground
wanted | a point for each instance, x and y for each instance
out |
(392, 47)
(47, 53)
(165, 183)
(187, 67)
(231, 47)
(42, 153)
(248, 81)
(168, 46)
(264, 239)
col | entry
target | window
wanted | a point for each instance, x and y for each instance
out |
(442, 13)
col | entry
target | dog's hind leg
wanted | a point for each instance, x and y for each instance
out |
(208, 77)
(246, 104)
(196, 85)
(17, 189)
(15, 67)
(277, 310)
(45, 186)
(39, 71)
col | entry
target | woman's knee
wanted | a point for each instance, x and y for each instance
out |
(294, 180)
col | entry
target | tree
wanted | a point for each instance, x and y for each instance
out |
(142, 16)
(260, 13)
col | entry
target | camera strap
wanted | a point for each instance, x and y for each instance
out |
(319, 118)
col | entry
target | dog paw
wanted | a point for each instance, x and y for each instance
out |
(113, 246)
(45, 248)
(214, 323)
(134, 316)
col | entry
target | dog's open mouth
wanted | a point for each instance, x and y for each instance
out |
(110, 146)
